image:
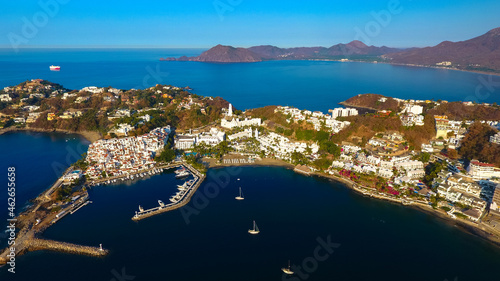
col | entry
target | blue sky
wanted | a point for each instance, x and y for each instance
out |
(244, 23)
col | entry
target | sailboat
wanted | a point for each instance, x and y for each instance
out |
(240, 197)
(255, 229)
(287, 270)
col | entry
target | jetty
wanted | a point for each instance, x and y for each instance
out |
(186, 197)
(30, 243)
(42, 244)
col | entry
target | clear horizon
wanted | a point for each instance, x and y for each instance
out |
(203, 24)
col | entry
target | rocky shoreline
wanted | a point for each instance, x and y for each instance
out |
(88, 135)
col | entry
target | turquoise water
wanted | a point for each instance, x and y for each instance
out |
(374, 240)
(306, 84)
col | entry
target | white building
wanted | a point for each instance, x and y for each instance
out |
(479, 170)
(495, 138)
(412, 108)
(124, 129)
(247, 133)
(5, 98)
(212, 138)
(237, 123)
(344, 112)
(93, 90)
(184, 142)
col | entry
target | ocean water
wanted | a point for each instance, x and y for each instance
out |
(208, 239)
(315, 85)
(39, 160)
(374, 240)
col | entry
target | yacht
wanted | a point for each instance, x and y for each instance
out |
(141, 209)
(255, 229)
(240, 197)
(180, 170)
(182, 174)
(161, 203)
(287, 270)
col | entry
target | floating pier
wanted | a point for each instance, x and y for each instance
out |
(186, 197)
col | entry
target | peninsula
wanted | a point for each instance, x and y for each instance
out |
(441, 157)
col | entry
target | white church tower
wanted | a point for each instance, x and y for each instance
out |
(256, 133)
(230, 111)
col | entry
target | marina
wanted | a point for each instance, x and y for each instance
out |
(179, 199)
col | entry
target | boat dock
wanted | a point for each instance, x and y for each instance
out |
(185, 198)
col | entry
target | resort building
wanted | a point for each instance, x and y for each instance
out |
(344, 112)
(479, 170)
(184, 142)
(188, 141)
(243, 123)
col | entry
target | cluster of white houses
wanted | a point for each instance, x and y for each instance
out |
(281, 147)
(353, 159)
(123, 156)
(317, 118)
(456, 188)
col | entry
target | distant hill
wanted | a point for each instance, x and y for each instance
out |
(481, 53)
(354, 49)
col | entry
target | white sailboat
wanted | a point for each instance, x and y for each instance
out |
(287, 270)
(240, 197)
(255, 229)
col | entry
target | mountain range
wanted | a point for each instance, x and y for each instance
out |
(481, 53)
(225, 54)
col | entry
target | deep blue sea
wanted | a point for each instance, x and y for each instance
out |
(372, 240)
(313, 85)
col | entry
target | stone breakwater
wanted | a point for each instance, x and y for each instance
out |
(42, 244)
(35, 244)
